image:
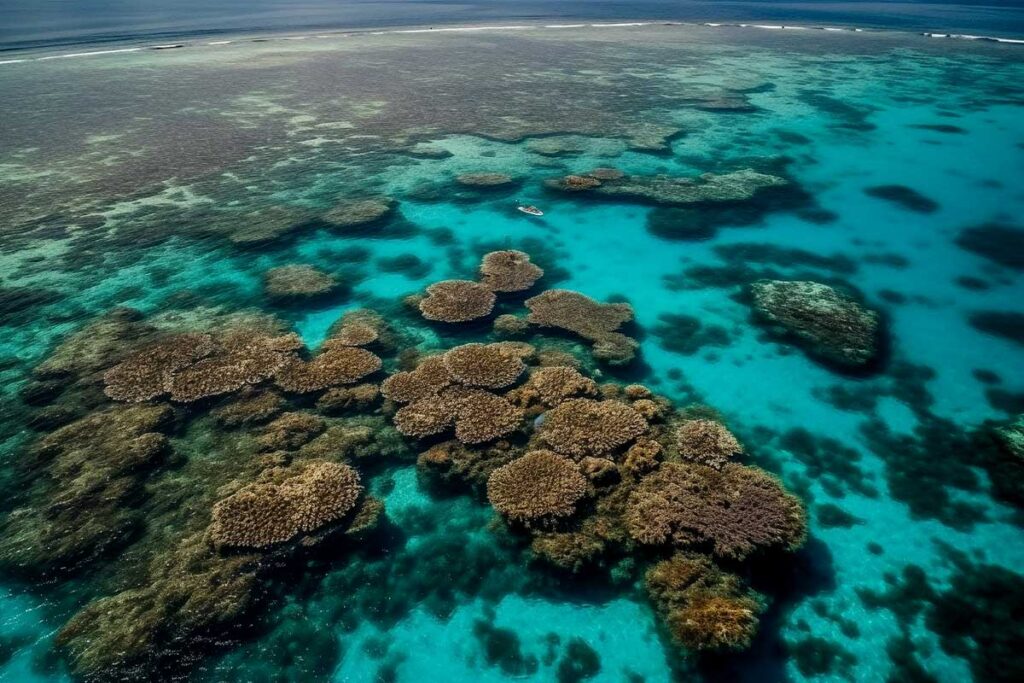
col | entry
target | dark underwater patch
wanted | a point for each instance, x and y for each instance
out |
(502, 648)
(20, 304)
(831, 516)
(1005, 324)
(687, 335)
(816, 656)
(998, 242)
(977, 618)
(579, 663)
(410, 265)
(848, 116)
(974, 284)
(903, 196)
(832, 464)
(945, 128)
(921, 468)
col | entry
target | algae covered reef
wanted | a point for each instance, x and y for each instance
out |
(292, 391)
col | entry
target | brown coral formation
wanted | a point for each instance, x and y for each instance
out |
(706, 442)
(703, 607)
(429, 378)
(195, 366)
(335, 366)
(478, 416)
(457, 301)
(552, 385)
(736, 510)
(581, 427)
(302, 499)
(539, 486)
(509, 271)
(144, 374)
(596, 322)
(295, 282)
(484, 365)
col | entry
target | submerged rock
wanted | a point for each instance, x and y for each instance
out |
(360, 212)
(296, 282)
(485, 180)
(828, 323)
(666, 190)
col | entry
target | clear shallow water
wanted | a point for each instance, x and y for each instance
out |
(122, 204)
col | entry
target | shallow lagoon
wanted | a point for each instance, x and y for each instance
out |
(142, 198)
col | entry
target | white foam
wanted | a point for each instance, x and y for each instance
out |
(565, 26)
(773, 27)
(72, 55)
(220, 42)
(635, 23)
(13, 61)
(458, 29)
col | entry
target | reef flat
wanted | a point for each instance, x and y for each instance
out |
(292, 391)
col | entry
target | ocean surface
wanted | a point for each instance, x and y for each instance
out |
(146, 194)
(54, 23)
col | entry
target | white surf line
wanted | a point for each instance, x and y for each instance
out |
(564, 26)
(969, 36)
(635, 23)
(13, 61)
(72, 55)
(221, 42)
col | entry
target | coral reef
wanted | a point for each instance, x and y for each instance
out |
(483, 365)
(291, 501)
(706, 442)
(581, 426)
(736, 510)
(596, 322)
(457, 301)
(286, 284)
(828, 323)
(509, 271)
(703, 607)
(538, 486)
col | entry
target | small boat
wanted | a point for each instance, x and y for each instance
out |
(530, 209)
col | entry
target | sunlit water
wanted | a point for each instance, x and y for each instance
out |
(122, 179)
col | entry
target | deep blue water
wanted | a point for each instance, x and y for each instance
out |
(40, 23)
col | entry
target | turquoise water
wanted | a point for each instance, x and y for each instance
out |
(126, 176)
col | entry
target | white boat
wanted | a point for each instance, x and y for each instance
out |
(530, 209)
